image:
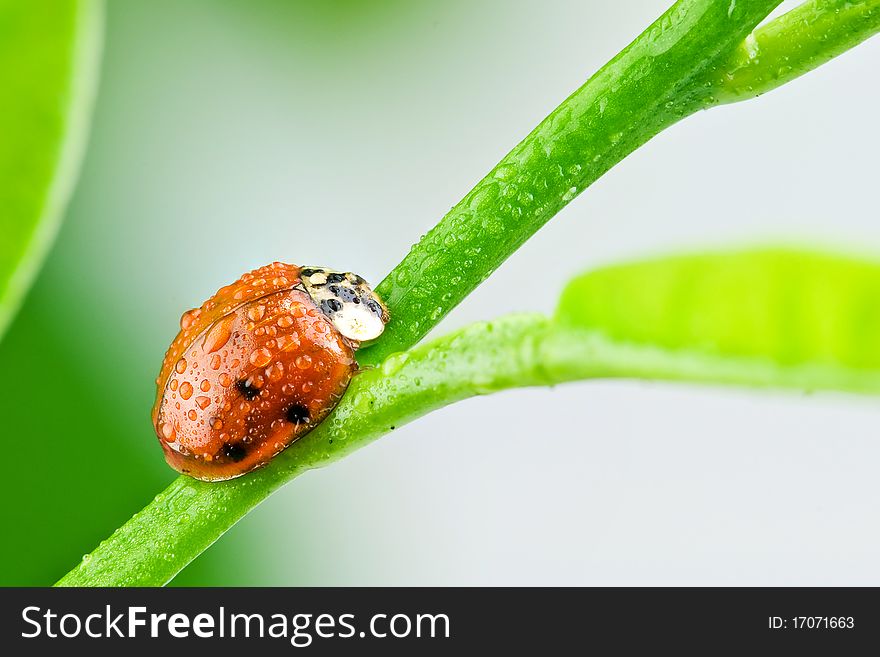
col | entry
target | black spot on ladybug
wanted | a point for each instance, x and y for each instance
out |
(308, 272)
(297, 413)
(335, 278)
(374, 307)
(344, 293)
(234, 452)
(245, 388)
(329, 306)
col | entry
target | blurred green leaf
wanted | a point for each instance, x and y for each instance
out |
(773, 317)
(49, 55)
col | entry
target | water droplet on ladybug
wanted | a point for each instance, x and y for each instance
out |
(275, 371)
(260, 357)
(189, 318)
(219, 334)
(256, 313)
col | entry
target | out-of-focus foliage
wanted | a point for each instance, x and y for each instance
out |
(48, 69)
(785, 306)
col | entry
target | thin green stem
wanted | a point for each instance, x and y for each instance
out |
(657, 80)
(643, 90)
(514, 351)
(189, 515)
(793, 44)
(631, 99)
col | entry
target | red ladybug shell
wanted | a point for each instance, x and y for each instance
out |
(254, 368)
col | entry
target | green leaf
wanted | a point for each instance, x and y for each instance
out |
(777, 317)
(49, 55)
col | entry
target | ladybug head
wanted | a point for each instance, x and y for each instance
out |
(355, 310)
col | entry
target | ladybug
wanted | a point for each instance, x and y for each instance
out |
(260, 364)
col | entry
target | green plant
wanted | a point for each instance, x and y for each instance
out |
(44, 128)
(700, 53)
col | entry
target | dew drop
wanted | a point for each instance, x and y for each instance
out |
(287, 343)
(363, 400)
(168, 432)
(186, 390)
(260, 357)
(393, 363)
(303, 362)
(189, 318)
(203, 402)
(205, 385)
(180, 368)
(219, 335)
(275, 371)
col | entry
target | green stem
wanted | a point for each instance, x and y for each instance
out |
(661, 77)
(793, 44)
(644, 89)
(514, 351)
(671, 71)
(189, 515)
